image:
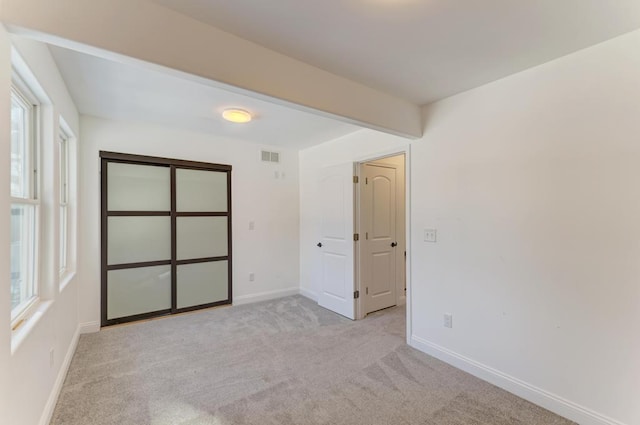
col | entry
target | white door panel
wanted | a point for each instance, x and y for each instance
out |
(336, 239)
(381, 268)
(378, 221)
(334, 274)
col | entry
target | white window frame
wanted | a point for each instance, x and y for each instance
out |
(21, 92)
(63, 202)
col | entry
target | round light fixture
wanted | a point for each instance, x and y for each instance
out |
(236, 115)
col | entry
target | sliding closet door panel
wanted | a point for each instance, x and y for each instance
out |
(138, 291)
(201, 190)
(201, 237)
(202, 283)
(134, 187)
(138, 239)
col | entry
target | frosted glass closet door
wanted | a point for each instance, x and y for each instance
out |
(138, 238)
(201, 237)
(137, 291)
(201, 191)
(202, 283)
(133, 187)
(202, 273)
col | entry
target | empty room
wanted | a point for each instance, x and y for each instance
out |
(334, 212)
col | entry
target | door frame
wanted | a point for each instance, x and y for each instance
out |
(406, 150)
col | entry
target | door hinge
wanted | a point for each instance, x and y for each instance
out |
(355, 179)
(356, 237)
(356, 294)
(366, 180)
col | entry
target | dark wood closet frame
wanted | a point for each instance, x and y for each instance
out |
(173, 164)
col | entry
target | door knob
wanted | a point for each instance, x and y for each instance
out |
(319, 245)
(394, 244)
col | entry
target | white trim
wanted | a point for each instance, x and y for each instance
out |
(309, 294)
(25, 201)
(89, 327)
(57, 386)
(30, 316)
(384, 154)
(408, 245)
(28, 78)
(65, 278)
(543, 398)
(264, 296)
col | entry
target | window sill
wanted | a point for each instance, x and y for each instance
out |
(66, 278)
(29, 322)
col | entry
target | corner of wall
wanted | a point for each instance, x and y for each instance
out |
(89, 327)
(313, 296)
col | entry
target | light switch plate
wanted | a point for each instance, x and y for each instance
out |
(430, 235)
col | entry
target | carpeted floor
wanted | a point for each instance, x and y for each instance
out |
(285, 361)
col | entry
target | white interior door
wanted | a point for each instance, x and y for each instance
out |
(336, 239)
(379, 245)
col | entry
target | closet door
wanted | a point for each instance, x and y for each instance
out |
(166, 236)
(137, 234)
(202, 230)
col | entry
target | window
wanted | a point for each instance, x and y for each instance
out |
(24, 201)
(63, 163)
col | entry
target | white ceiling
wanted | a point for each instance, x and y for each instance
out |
(422, 50)
(115, 90)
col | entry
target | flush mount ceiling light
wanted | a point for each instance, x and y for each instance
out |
(236, 115)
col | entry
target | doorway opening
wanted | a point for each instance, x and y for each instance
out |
(363, 232)
(380, 222)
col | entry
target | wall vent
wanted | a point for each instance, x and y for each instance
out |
(270, 156)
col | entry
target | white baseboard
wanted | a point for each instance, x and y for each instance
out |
(549, 401)
(57, 386)
(264, 296)
(89, 327)
(308, 294)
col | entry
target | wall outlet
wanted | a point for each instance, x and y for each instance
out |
(252, 277)
(448, 320)
(430, 235)
(252, 225)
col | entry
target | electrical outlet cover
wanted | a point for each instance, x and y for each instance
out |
(430, 235)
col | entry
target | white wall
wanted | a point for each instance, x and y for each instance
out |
(532, 183)
(27, 380)
(270, 251)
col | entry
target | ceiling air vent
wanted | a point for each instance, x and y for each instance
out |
(270, 156)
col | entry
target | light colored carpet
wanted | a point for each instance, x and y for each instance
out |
(285, 361)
